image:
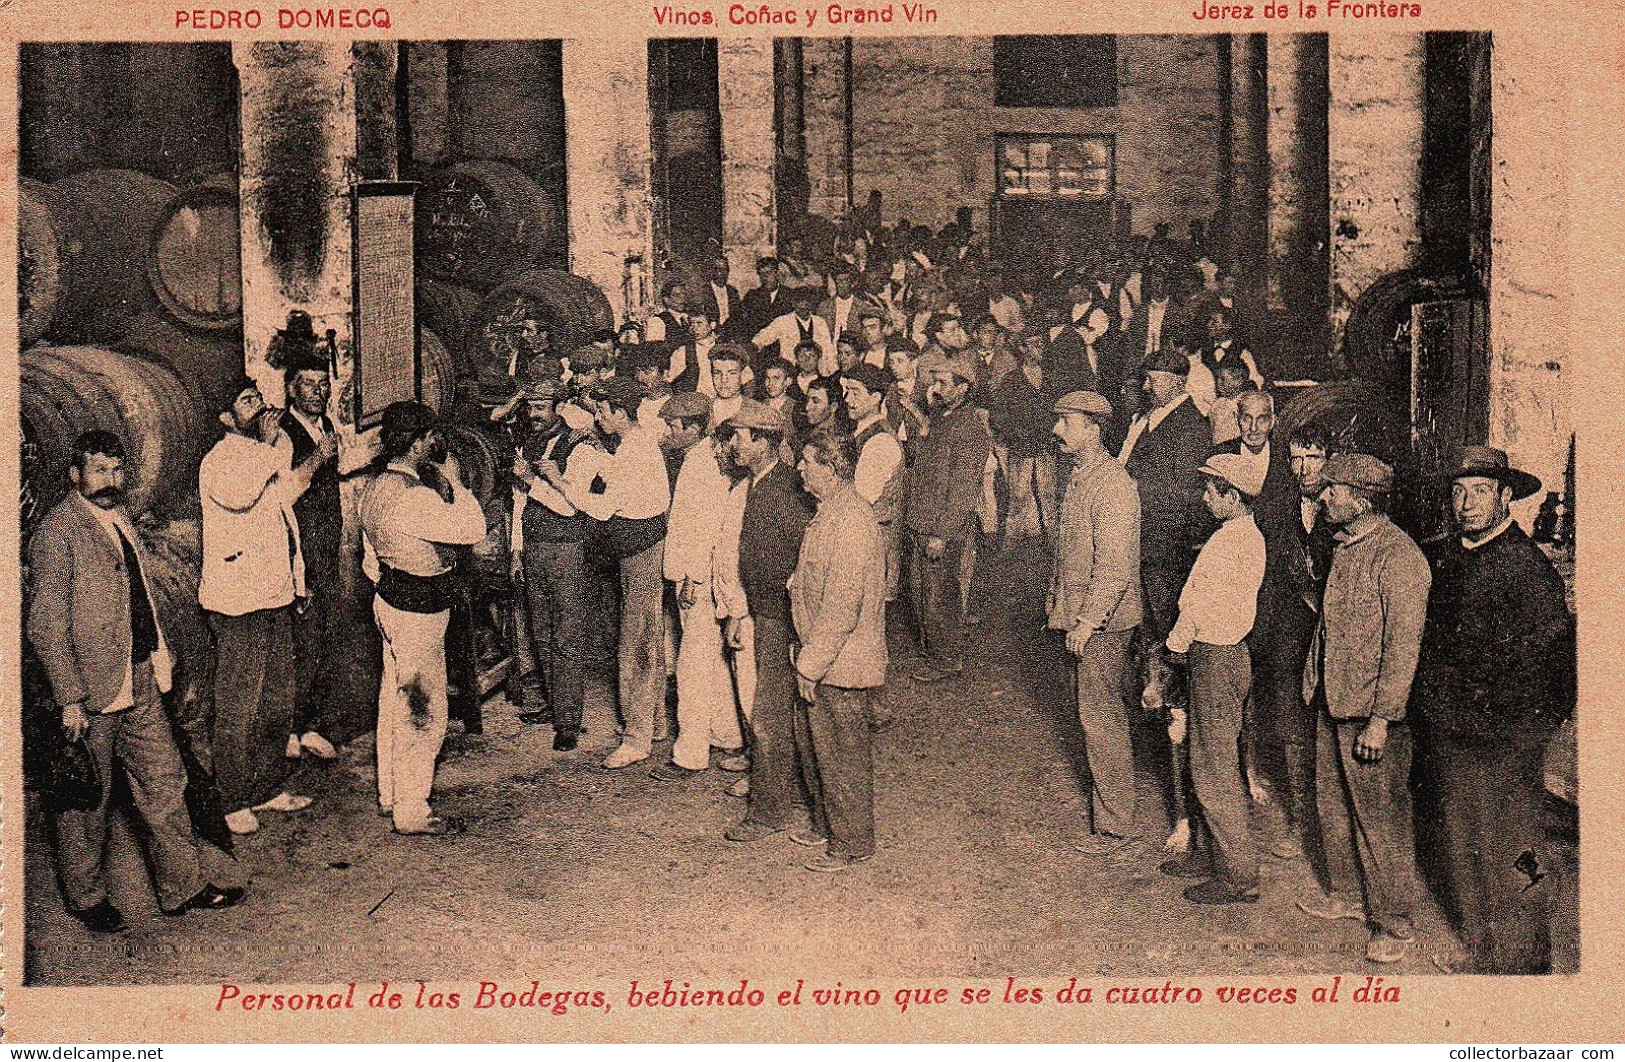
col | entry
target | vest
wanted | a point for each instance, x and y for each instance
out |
(889, 506)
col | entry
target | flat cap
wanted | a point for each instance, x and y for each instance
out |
(1082, 402)
(1359, 470)
(544, 390)
(586, 358)
(622, 391)
(1168, 360)
(874, 379)
(1237, 471)
(686, 404)
(959, 366)
(759, 416)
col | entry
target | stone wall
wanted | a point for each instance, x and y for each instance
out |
(924, 123)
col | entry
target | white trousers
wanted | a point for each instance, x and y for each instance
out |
(745, 667)
(706, 715)
(411, 709)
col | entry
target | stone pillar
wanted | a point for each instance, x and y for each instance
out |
(298, 154)
(607, 160)
(790, 118)
(824, 108)
(1249, 170)
(1531, 289)
(428, 101)
(1294, 326)
(746, 100)
(1374, 162)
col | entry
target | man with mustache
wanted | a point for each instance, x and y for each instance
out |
(253, 572)
(101, 642)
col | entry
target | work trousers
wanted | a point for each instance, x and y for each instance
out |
(139, 738)
(832, 736)
(936, 599)
(641, 653)
(1105, 720)
(314, 631)
(1220, 676)
(1033, 497)
(558, 590)
(707, 716)
(411, 709)
(772, 726)
(1365, 821)
(254, 689)
(1491, 798)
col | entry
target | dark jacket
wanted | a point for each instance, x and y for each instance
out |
(1498, 652)
(777, 512)
(1021, 415)
(1163, 466)
(945, 483)
(758, 309)
(318, 510)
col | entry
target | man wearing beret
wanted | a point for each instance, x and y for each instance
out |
(1358, 675)
(1495, 681)
(1095, 598)
(944, 489)
(1217, 608)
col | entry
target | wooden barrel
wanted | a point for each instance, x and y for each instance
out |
(210, 364)
(144, 404)
(40, 280)
(174, 568)
(108, 217)
(195, 262)
(437, 377)
(447, 310)
(480, 453)
(503, 333)
(481, 222)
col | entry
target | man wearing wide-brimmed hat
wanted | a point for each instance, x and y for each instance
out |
(1358, 677)
(1495, 681)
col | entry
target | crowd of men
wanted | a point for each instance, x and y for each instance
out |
(761, 477)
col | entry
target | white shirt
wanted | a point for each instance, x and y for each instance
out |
(163, 668)
(700, 351)
(1308, 513)
(1258, 464)
(724, 310)
(1145, 423)
(1199, 382)
(251, 556)
(1220, 599)
(785, 331)
(395, 527)
(635, 483)
(1155, 310)
(879, 461)
(723, 408)
(698, 511)
(649, 411)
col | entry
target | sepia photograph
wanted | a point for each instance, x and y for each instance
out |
(563, 524)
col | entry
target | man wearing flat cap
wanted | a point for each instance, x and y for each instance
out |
(1358, 675)
(414, 509)
(944, 489)
(1094, 597)
(707, 714)
(1495, 681)
(1217, 608)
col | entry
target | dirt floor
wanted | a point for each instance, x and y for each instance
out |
(558, 866)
